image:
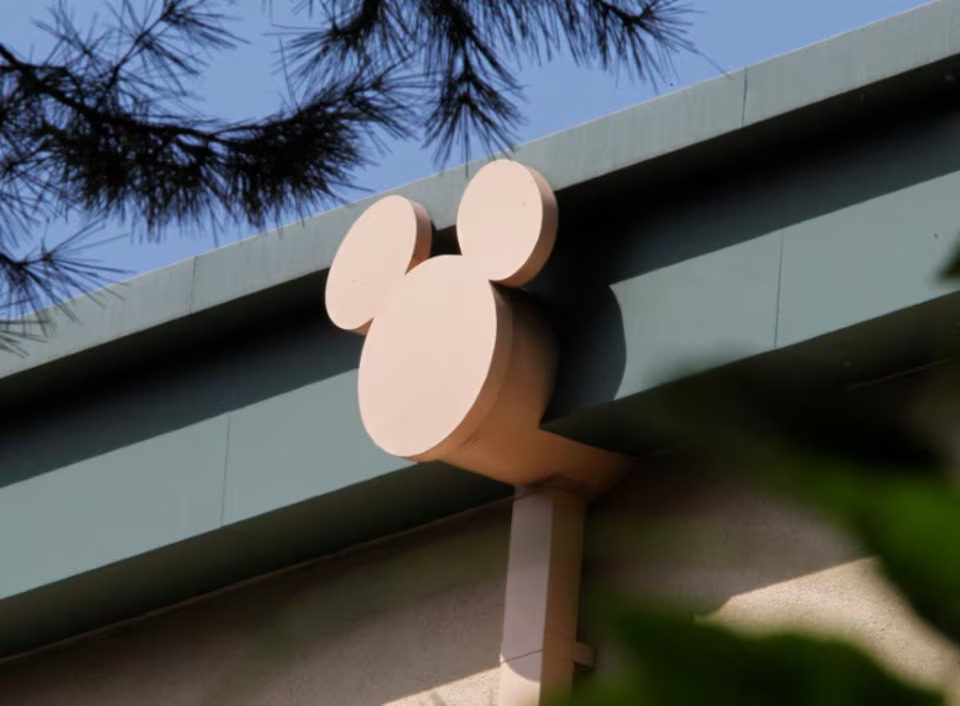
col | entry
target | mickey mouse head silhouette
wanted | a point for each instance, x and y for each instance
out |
(456, 365)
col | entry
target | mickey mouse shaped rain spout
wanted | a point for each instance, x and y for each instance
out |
(456, 366)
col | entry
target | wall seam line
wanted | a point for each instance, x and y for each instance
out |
(776, 319)
(743, 105)
(223, 484)
(193, 286)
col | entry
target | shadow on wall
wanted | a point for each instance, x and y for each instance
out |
(714, 548)
(750, 184)
(713, 196)
(693, 539)
(585, 317)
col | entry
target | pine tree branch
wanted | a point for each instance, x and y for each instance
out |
(115, 160)
(104, 125)
(465, 51)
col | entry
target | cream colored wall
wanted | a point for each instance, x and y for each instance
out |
(410, 621)
(754, 561)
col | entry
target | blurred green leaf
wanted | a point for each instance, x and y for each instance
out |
(676, 662)
(909, 519)
(911, 523)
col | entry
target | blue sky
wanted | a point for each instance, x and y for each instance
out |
(242, 84)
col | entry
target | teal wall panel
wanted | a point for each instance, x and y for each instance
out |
(143, 302)
(830, 68)
(111, 506)
(699, 313)
(868, 259)
(297, 445)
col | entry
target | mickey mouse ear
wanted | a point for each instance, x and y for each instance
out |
(507, 222)
(388, 239)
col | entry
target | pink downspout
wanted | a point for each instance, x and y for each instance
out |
(539, 649)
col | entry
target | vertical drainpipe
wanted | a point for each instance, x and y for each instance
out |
(539, 648)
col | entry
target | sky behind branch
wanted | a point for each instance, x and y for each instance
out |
(244, 83)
